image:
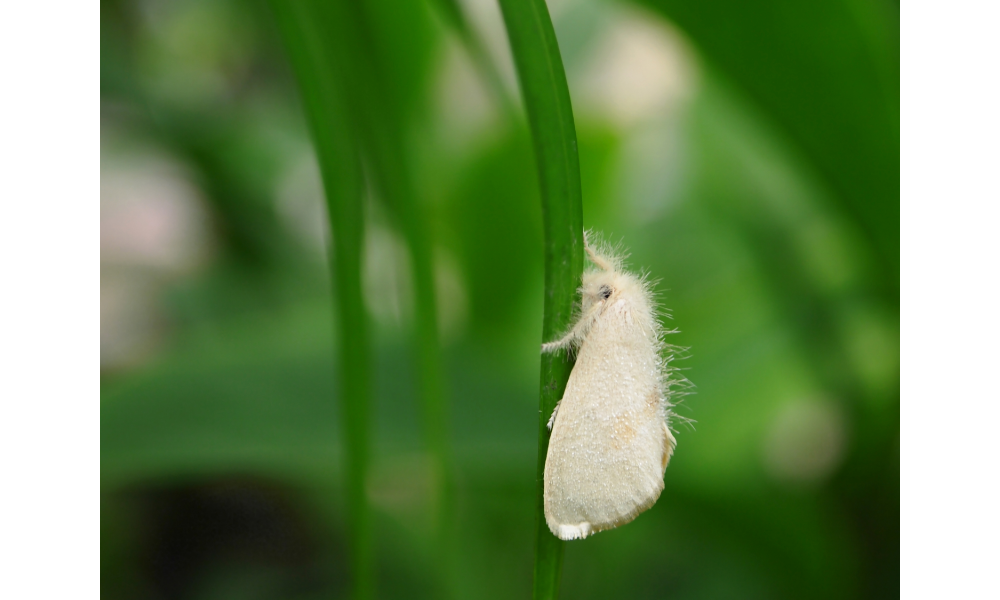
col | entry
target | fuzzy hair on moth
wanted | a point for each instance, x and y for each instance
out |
(611, 438)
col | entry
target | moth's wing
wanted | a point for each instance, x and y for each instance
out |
(609, 445)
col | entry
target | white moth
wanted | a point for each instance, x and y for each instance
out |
(610, 441)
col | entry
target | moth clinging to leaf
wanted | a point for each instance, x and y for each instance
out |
(611, 438)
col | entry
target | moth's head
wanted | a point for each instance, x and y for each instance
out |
(599, 287)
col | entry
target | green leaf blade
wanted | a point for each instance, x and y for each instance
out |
(550, 115)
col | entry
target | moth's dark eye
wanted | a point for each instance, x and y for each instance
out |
(604, 292)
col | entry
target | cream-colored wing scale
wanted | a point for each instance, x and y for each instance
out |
(610, 442)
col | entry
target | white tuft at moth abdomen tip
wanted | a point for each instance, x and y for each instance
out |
(574, 532)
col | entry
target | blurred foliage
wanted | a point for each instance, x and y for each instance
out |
(762, 193)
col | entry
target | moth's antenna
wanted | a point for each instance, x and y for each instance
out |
(596, 258)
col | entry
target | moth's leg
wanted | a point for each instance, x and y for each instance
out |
(567, 340)
(552, 419)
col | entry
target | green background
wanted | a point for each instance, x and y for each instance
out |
(760, 188)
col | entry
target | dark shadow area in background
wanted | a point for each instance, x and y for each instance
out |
(222, 538)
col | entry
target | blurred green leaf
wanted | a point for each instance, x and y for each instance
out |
(826, 73)
(310, 35)
(377, 41)
(455, 17)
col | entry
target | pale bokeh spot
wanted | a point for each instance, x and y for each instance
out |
(640, 68)
(805, 442)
